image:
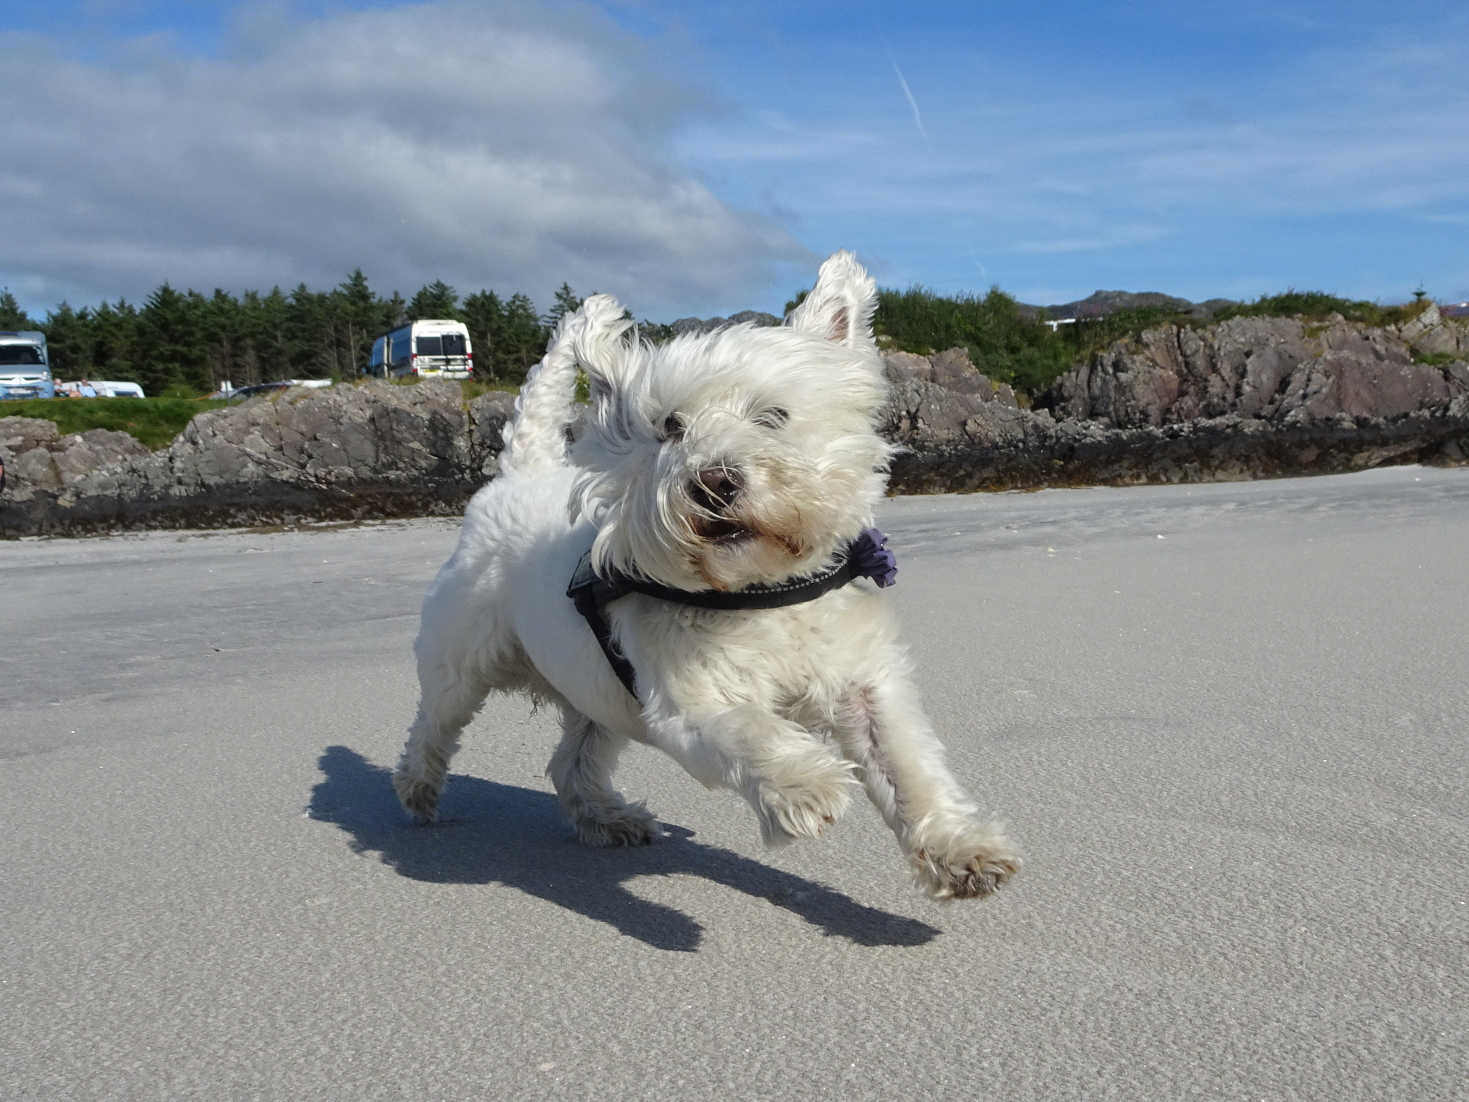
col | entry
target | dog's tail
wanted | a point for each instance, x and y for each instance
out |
(536, 436)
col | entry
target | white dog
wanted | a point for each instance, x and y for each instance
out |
(715, 468)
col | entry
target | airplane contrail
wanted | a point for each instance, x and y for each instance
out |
(913, 103)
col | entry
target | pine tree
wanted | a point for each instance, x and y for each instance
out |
(11, 315)
(308, 334)
(275, 321)
(437, 300)
(524, 340)
(360, 316)
(247, 355)
(225, 343)
(566, 302)
(484, 314)
(198, 337)
(170, 339)
(115, 342)
(69, 342)
(395, 313)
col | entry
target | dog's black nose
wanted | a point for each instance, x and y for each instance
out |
(715, 488)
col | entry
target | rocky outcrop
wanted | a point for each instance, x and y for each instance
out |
(1248, 398)
(346, 452)
(1281, 370)
(41, 458)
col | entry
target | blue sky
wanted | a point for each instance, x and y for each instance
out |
(702, 158)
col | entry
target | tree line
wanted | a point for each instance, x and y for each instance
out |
(184, 342)
(187, 343)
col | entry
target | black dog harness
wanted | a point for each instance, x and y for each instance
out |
(865, 557)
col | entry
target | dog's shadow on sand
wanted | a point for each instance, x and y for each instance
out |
(499, 833)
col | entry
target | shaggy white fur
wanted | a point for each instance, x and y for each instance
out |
(715, 461)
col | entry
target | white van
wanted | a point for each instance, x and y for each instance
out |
(25, 369)
(429, 347)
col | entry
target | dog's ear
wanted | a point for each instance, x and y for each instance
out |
(596, 331)
(840, 306)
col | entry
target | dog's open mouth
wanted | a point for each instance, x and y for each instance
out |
(720, 530)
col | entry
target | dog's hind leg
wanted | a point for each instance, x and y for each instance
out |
(449, 701)
(953, 852)
(581, 770)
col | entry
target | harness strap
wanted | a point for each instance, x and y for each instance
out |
(590, 598)
(866, 556)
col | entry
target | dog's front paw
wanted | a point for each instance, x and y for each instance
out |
(801, 806)
(971, 865)
(418, 797)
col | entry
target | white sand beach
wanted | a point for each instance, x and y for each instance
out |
(1228, 723)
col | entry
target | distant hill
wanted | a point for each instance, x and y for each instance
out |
(708, 325)
(1101, 303)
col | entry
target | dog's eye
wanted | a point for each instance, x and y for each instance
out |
(772, 418)
(672, 427)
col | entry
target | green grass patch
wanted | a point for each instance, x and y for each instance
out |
(1092, 335)
(470, 388)
(1005, 344)
(1318, 306)
(154, 421)
(1435, 359)
(1088, 336)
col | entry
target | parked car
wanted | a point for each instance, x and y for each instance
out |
(240, 393)
(233, 393)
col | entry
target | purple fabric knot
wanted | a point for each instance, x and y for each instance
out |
(870, 558)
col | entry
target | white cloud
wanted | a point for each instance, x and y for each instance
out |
(509, 146)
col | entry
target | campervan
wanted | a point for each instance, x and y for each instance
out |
(428, 347)
(110, 388)
(98, 388)
(25, 369)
